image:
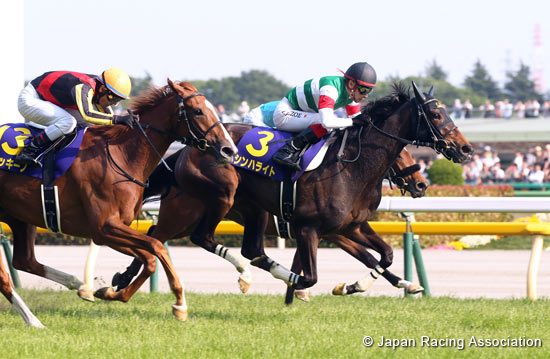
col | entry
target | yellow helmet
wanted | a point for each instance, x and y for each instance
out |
(117, 81)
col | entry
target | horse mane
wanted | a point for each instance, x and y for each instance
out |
(383, 107)
(149, 98)
(154, 95)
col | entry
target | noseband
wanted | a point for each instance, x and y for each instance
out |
(435, 132)
(398, 178)
(198, 138)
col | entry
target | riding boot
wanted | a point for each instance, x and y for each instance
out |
(289, 155)
(30, 153)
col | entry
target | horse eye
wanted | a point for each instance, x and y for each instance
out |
(198, 112)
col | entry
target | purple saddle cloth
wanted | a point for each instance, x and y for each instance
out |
(14, 136)
(256, 151)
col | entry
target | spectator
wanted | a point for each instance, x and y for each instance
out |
(457, 109)
(532, 109)
(546, 108)
(530, 157)
(519, 109)
(467, 108)
(243, 109)
(507, 109)
(498, 109)
(512, 173)
(488, 109)
(536, 175)
(518, 160)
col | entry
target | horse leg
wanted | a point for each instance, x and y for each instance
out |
(203, 236)
(24, 259)
(177, 224)
(117, 236)
(124, 295)
(307, 242)
(291, 292)
(6, 287)
(371, 240)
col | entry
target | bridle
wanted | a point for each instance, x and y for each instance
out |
(197, 137)
(398, 178)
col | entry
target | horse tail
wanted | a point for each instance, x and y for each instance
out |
(161, 180)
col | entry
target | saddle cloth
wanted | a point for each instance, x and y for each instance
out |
(256, 150)
(14, 136)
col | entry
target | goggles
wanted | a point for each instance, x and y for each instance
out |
(363, 90)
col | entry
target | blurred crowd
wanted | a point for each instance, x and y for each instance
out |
(501, 109)
(532, 167)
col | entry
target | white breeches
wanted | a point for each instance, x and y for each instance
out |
(55, 120)
(288, 119)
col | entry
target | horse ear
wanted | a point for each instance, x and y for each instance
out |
(431, 92)
(171, 84)
(418, 94)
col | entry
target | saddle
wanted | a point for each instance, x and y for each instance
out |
(256, 149)
(56, 161)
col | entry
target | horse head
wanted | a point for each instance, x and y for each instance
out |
(440, 129)
(197, 118)
(405, 174)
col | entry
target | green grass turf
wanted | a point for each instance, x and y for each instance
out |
(261, 326)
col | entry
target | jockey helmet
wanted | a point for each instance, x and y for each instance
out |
(362, 73)
(117, 81)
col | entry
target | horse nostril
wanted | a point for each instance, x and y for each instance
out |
(467, 149)
(227, 151)
(421, 186)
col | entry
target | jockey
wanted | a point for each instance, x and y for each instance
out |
(54, 99)
(309, 109)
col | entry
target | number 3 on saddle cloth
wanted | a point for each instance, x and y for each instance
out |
(256, 149)
(14, 137)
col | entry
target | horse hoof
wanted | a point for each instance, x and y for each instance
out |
(245, 279)
(105, 293)
(303, 295)
(243, 285)
(340, 289)
(415, 288)
(180, 312)
(37, 324)
(85, 293)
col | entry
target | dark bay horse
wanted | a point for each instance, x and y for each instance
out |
(175, 217)
(334, 199)
(102, 191)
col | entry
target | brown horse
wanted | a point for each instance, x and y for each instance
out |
(102, 191)
(342, 202)
(176, 213)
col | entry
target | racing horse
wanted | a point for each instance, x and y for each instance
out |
(336, 198)
(102, 191)
(175, 214)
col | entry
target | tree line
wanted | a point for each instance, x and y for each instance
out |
(258, 86)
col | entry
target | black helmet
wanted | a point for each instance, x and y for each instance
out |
(363, 73)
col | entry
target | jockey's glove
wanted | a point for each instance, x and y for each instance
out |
(126, 120)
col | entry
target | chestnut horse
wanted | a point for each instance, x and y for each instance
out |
(404, 174)
(420, 120)
(102, 191)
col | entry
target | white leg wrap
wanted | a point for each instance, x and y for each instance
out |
(25, 312)
(403, 284)
(68, 280)
(240, 262)
(280, 272)
(365, 283)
